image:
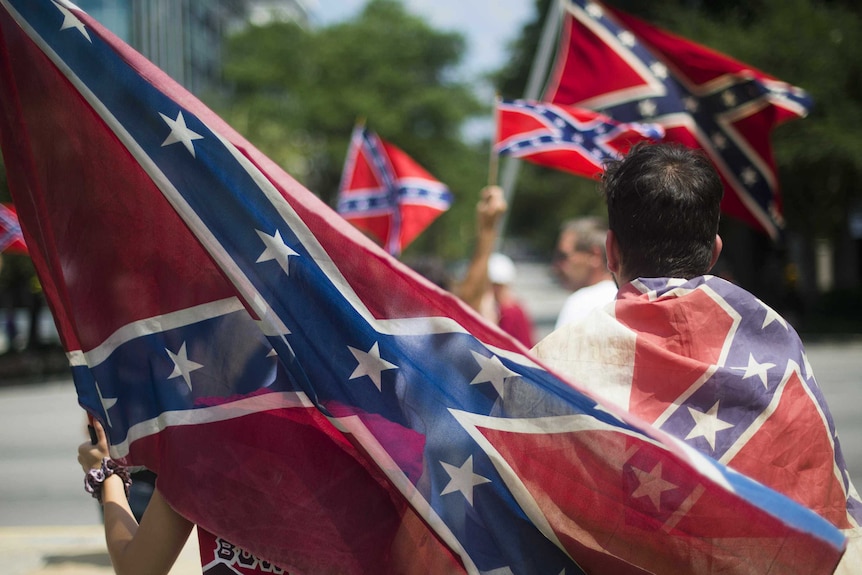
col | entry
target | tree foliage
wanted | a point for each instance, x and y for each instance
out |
(297, 93)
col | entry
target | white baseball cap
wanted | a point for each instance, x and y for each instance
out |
(501, 269)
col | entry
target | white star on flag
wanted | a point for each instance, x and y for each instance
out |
(729, 98)
(594, 10)
(691, 104)
(809, 373)
(71, 21)
(650, 484)
(107, 403)
(647, 108)
(749, 176)
(659, 70)
(491, 371)
(707, 424)
(180, 133)
(771, 316)
(462, 479)
(183, 366)
(754, 368)
(627, 38)
(275, 249)
(370, 364)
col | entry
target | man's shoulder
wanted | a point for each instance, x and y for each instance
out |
(579, 303)
(604, 286)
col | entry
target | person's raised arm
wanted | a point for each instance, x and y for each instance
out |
(490, 209)
(151, 547)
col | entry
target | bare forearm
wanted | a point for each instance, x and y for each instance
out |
(120, 524)
(475, 282)
(489, 210)
(150, 548)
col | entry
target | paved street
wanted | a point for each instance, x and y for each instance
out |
(49, 526)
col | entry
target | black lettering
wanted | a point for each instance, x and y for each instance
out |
(245, 558)
(225, 550)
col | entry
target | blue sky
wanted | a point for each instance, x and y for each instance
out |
(488, 25)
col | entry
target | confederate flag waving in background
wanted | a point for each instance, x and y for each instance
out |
(566, 138)
(11, 239)
(386, 194)
(632, 71)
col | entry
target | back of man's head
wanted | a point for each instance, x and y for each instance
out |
(663, 209)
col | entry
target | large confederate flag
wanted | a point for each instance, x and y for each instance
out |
(301, 393)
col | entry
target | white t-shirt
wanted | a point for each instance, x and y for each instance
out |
(584, 300)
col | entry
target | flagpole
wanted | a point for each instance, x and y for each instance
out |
(538, 73)
(494, 157)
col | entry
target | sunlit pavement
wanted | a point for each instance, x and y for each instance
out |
(73, 550)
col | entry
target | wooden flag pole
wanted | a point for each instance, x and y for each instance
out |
(494, 157)
(541, 61)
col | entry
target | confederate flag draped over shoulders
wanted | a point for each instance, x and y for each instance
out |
(567, 138)
(386, 194)
(635, 72)
(732, 381)
(298, 391)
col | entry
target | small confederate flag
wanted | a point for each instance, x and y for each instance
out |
(565, 137)
(634, 72)
(11, 239)
(386, 194)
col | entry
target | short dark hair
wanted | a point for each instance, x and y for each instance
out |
(663, 208)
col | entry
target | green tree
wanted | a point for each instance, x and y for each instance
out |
(297, 94)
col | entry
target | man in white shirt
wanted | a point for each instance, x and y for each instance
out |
(581, 266)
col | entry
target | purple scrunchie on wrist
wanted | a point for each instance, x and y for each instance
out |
(94, 478)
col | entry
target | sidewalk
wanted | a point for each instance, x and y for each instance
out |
(74, 550)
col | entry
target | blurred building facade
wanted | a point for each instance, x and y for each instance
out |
(184, 37)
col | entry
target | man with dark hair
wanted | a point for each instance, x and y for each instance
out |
(695, 355)
(663, 211)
